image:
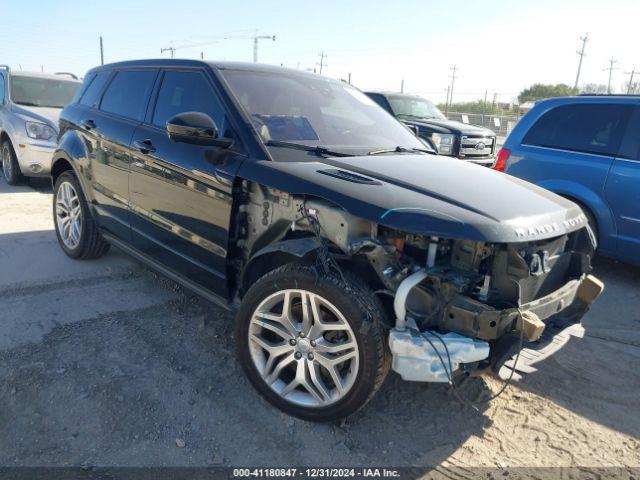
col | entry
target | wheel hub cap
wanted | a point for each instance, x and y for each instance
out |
(303, 348)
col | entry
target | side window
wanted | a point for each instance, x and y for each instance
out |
(630, 148)
(83, 88)
(91, 95)
(589, 127)
(3, 86)
(128, 93)
(186, 92)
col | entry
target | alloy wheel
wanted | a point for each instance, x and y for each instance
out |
(303, 348)
(68, 215)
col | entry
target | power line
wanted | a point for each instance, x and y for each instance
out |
(580, 52)
(611, 68)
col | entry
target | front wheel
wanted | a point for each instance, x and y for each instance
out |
(10, 167)
(312, 345)
(76, 230)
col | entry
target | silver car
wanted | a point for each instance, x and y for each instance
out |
(30, 105)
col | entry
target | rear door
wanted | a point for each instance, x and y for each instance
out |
(109, 128)
(181, 194)
(623, 191)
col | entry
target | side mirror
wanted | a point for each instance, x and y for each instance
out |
(195, 127)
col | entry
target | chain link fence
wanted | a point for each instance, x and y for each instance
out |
(500, 124)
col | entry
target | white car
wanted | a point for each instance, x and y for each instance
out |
(30, 105)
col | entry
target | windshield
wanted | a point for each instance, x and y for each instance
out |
(415, 107)
(314, 110)
(42, 92)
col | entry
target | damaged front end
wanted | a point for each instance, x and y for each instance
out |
(474, 303)
(460, 306)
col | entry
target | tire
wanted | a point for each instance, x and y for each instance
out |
(10, 167)
(78, 236)
(354, 341)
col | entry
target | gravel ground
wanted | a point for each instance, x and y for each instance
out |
(105, 363)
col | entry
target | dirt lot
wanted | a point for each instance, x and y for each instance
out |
(105, 363)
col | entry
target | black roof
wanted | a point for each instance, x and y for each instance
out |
(222, 65)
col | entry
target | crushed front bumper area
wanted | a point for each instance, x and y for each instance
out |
(429, 356)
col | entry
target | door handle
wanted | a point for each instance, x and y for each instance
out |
(88, 124)
(145, 146)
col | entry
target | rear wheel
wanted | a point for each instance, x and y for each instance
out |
(10, 167)
(76, 230)
(312, 346)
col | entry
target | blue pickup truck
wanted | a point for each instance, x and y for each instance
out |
(587, 149)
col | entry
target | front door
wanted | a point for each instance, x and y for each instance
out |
(181, 194)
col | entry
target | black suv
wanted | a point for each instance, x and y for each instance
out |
(339, 240)
(456, 139)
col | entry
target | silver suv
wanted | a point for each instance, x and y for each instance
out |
(30, 105)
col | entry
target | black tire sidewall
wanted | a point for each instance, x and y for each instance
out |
(357, 306)
(77, 252)
(16, 174)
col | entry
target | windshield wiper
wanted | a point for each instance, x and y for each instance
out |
(28, 104)
(317, 149)
(402, 150)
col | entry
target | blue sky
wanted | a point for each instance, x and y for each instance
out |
(499, 46)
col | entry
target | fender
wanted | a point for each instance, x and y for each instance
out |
(276, 254)
(72, 149)
(574, 191)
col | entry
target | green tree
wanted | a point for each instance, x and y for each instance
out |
(478, 106)
(538, 91)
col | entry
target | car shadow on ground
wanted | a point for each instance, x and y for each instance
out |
(41, 185)
(596, 377)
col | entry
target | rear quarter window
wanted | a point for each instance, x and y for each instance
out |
(128, 93)
(91, 96)
(588, 128)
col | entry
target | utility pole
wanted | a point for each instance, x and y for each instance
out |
(101, 52)
(349, 78)
(611, 68)
(402, 86)
(584, 41)
(323, 57)
(446, 105)
(453, 77)
(169, 49)
(201, 55)
(255, 44)
(630, 86)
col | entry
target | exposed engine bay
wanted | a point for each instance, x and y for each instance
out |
(469, 300)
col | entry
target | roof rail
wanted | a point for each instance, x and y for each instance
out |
(6, 67)
(72, 75)
(609, 95)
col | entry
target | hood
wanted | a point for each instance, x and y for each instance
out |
(428, 195)
(450, 126)
(46, 115)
